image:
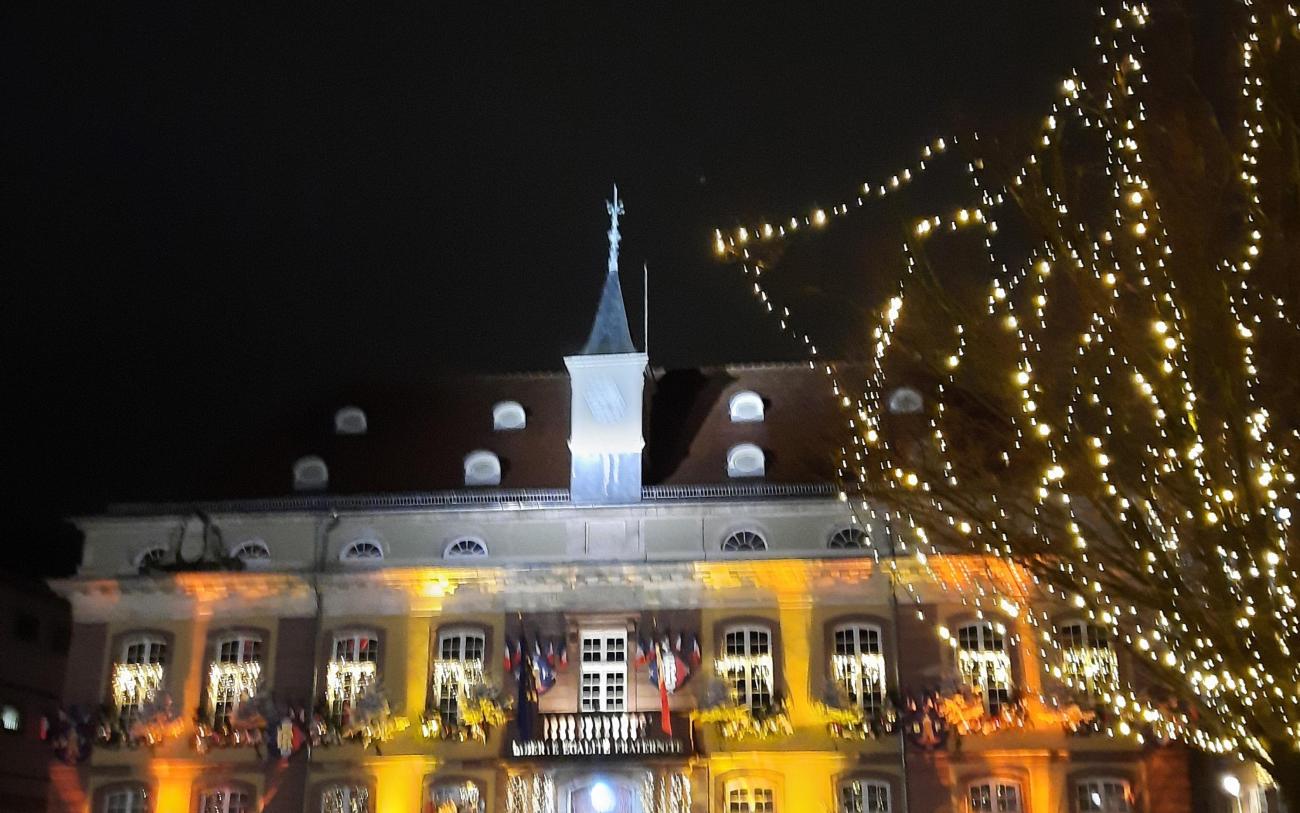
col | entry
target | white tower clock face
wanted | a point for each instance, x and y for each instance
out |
(605, 401)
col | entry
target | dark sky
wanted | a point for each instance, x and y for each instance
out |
(217, 212)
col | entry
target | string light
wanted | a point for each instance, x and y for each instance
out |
(1160, 493)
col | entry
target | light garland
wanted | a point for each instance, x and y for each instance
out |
(345, 680)
(229, 683)
(1128, 423)
(136, 684)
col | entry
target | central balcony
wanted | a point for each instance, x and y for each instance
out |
(633, 734)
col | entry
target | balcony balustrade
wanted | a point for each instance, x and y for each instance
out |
(603, 734)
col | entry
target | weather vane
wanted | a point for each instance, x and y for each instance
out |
(615, 208)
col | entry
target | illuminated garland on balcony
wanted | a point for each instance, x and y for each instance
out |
(230, 683)
(346, 680)
(531, 794)
(135, 684)
(1092, 670)
(665, 793)
(346, 799)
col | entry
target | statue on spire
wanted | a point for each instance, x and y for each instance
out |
(615, 208)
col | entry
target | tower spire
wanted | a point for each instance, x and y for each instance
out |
(610, 332)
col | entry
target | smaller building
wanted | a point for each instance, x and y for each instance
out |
(35, 631)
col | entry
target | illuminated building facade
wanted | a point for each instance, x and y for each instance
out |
(621, 593)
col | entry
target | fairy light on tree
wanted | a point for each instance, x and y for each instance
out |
(1116, 408)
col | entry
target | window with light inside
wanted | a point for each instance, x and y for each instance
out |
(342, 798)
(746, 665)
(984, 664)
(459, 666)
(352, 669)
(858, 665)
(864, 796)
(995, 796)
(456, 797)
(235, 675)
(1088, 663)
(604, 670)
(225, 800)
(1102, 795)
(138, 674)
(748, 796)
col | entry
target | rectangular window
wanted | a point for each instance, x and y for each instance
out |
(345, 799)
(747, 666)
(235, 676)
(604, 670)
(750, 799)
(352, 670)
(984, 664)
(995, 797)
(224, 800)
(138, 675)
(458, 667)
(1103, 796)
(126, 800)
(1088, 664)
(858, 665)
(864, 796)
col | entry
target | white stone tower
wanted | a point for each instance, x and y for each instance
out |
(606, 381)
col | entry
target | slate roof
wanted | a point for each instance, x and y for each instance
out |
(418, 437)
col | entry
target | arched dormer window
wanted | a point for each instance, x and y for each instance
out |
(310, 474)
(744, 541)
(850, 537)
(362, 550)
(251, 550)
(350, 420)
(745, 407)
(994, 796)
(746, 460)
(482, 468)
(905, 401)
(508, 416)
(464, 547)
(151, 557)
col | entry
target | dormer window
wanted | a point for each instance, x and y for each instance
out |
(482, 468)
(744, 542)
(466, 546)
(310, 474)
(905, 401)
(350, 420)
(253, 550)
(746, 460)
(151, 557)
(362, 550)
(508, 416)
(746, 407)
(850, 537)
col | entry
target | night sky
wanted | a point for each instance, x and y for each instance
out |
(214, 215)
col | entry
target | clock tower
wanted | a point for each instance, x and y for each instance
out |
(606, 381)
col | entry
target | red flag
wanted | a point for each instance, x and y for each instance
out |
(665, 721)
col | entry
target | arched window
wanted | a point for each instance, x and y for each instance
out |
(341, 798)
(225, 800)
(1102, 794)
(742, 541)
(151, 557)
(362, 550)
(138, 674)
(465, 546)
(747, 666)
(350, 420)
(236, 673)
(252, 550)
(859, 665)
(459, 666)
(482, 468)
(130, 799)
(745, 407)
(508, 416)
(750, 795)
(456, 797)
(864, 796)
(850, 537)
(983, 663)
(1088, 663)
(746, 460)
(310, 473)
(995, 796)
(905, 401)
(352, 669)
